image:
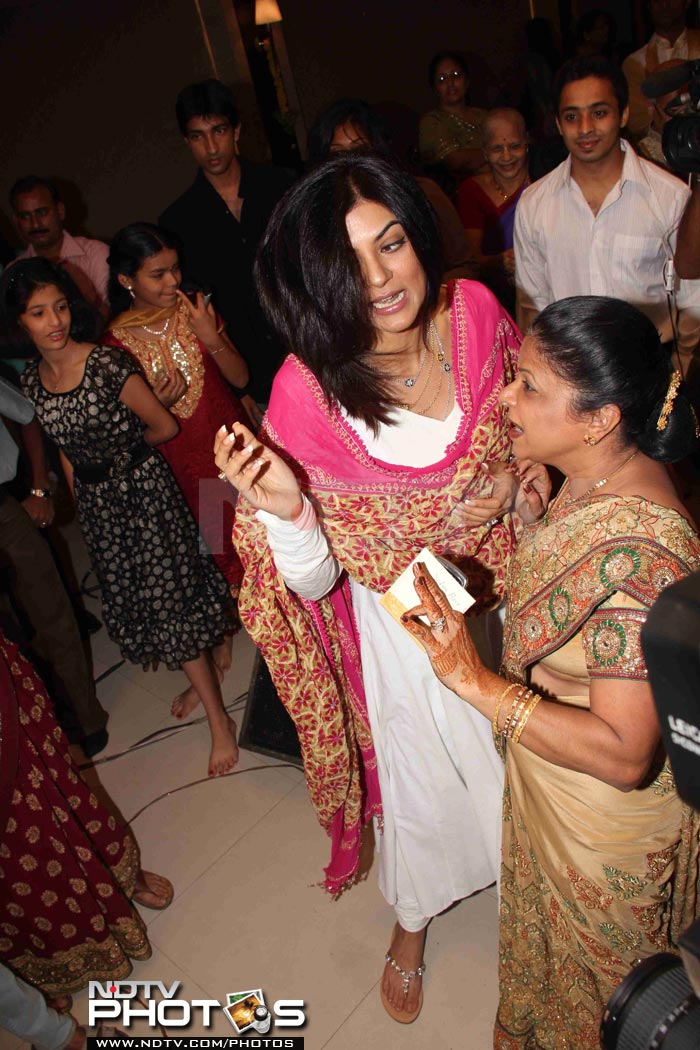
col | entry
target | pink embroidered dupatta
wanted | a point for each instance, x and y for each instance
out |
(376, 516)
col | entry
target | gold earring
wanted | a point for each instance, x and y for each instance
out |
(130, 290)
(589, 440)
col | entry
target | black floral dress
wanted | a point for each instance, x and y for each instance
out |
(163, 598)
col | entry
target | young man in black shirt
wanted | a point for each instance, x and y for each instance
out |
(220, 220)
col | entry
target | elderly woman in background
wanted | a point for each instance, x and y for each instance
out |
(600, 859)
(379, 425)
(351, 123)
(449, 136)
(486, 202)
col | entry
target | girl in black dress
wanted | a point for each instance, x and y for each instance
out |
(162, 598)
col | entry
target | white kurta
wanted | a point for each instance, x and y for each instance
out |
(440, 777)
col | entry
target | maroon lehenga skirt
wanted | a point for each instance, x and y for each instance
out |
(67, 867)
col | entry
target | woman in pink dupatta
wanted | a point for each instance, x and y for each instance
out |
(351, 483)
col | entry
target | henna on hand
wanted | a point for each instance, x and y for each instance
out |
(459, 650)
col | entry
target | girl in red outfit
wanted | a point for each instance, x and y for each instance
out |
(191, 365)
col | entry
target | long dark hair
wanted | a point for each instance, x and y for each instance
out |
(347, 111)
(311, 285)
(610, 353)
(18, 284)
(130, 248)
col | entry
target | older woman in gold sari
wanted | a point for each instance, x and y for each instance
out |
(600, 859)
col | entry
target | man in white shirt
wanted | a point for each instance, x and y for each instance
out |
(670, 40)
(604, 222)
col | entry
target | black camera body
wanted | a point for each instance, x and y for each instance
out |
(680, 138)
(657, 1004)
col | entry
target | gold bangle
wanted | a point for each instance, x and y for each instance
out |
(526, 717)
(516, 710)
(497, 709)
(218, 350)
(517, 700)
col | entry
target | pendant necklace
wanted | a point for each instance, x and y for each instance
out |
(440, 356)
(411, 381)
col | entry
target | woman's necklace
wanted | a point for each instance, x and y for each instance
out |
(502, 192)
(598, 484)
(411, 381)
(440, 356)
(156, 331)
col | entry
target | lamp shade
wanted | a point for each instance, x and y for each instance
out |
(267, 11)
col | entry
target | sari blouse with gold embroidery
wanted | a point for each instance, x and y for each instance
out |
(582, 581)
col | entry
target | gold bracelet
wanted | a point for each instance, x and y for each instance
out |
(525, 717)
(497, 710)
(218, 350)
(517, 700)
(516, 710)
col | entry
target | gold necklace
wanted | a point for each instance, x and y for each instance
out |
(154, 331)
(598, 484)
(502, 191)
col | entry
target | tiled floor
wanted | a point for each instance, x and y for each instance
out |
(244, 853)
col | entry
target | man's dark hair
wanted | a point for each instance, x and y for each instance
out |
(28, 183)
(18, 284)
(210, 98)
(311, 284)
(347, 111)
(583, 66)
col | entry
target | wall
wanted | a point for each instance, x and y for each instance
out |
(88, 92)
(88, 86)
(379, 51)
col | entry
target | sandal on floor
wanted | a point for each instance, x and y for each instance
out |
(167, 900)
(402, 1016)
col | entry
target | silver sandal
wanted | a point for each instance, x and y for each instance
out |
(406, 975)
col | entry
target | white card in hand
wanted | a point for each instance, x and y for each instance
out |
(402, 596)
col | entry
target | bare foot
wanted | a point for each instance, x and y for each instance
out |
(407, 949)
(152, 891)
(224, 749)
(185, 703)
(222, 655)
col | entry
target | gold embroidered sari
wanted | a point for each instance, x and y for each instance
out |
(593, 879)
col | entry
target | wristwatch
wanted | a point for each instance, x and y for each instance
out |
(41, 493)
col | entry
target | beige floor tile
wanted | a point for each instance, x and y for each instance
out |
(282, 932)
(184, 834)
(133, 712)
(460, 989)
(161, 968)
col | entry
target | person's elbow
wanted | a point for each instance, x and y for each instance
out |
(164, 431)
(629, 773)
(171, 429)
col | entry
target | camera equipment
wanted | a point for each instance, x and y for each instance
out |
(681, 134)
(657, 1005)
